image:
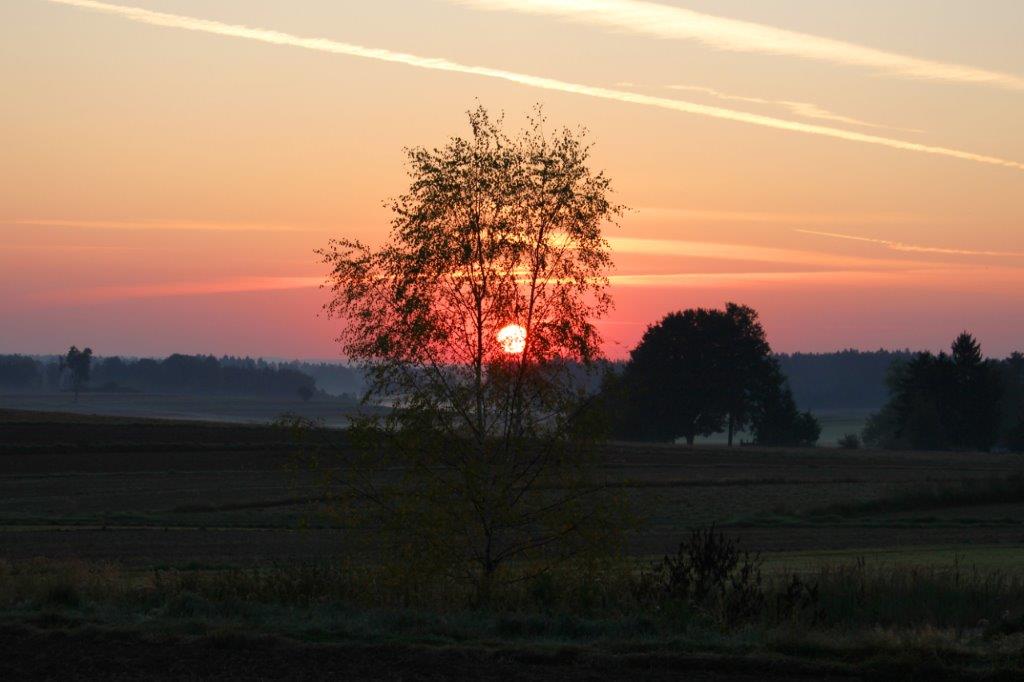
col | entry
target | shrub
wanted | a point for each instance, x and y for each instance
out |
(850, 441)
(799, 601)
(709, 575)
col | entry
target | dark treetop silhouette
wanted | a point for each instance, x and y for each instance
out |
(79, 366)
(957, 401)
(700, 371)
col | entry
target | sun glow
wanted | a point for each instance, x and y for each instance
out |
(512, 338)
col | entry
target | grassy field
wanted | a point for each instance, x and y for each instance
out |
(96, 511)
(834, 425)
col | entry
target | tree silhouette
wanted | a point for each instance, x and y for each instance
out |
(1012, 369)
(79, 364)
(669, 387)
(775, 419)
(748, 370)
(975, 396)
(694, 373)
(944, 401)
(494, 447)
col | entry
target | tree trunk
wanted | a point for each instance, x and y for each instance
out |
(732, 425)
(689, 439)
(485, 587)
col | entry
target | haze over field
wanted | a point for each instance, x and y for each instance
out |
(851, 170)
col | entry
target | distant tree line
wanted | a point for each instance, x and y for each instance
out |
(184, 374)
(952, 401)
(703, 371)
(847, 379)
(22, 373)
(331, 377)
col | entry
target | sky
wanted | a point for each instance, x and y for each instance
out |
(853, 169)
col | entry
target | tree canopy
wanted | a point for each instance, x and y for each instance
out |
(494, 230)
(939, 402)
(699, 371)
(79, 365)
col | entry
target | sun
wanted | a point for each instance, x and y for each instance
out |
(512, 338)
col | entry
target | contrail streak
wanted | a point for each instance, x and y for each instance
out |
(804, 109)
(677, 23)
(956, 279)
(915, 248)
(750, 252)
(438, 64)
(817, 218)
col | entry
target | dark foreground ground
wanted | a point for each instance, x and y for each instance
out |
(190, 497)
(38, 654)
(151, 492)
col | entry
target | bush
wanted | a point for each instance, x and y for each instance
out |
(799, 601)
(850, 441)
(709, 575)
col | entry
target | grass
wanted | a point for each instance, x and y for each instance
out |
(1008, 560)
(972, 492)
(865, 620)
(854, 594)
(834, 425)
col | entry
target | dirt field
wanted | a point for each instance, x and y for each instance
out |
(256, 410)
(128, 497)
(211, 408)
(162, 493)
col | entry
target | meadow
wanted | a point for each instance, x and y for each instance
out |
(129, 541)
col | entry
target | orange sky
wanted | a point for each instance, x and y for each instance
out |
(851, 169)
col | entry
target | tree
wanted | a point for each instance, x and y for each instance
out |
(941, 402)
(1012, 419)
(668, 388)
(775, 419)
(922, 402)
(694, 373)
(976, 395)
(79, 364)
(748, 369)
(493, 438)
(305, 392)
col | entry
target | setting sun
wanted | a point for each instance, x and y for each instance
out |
(512, 338)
